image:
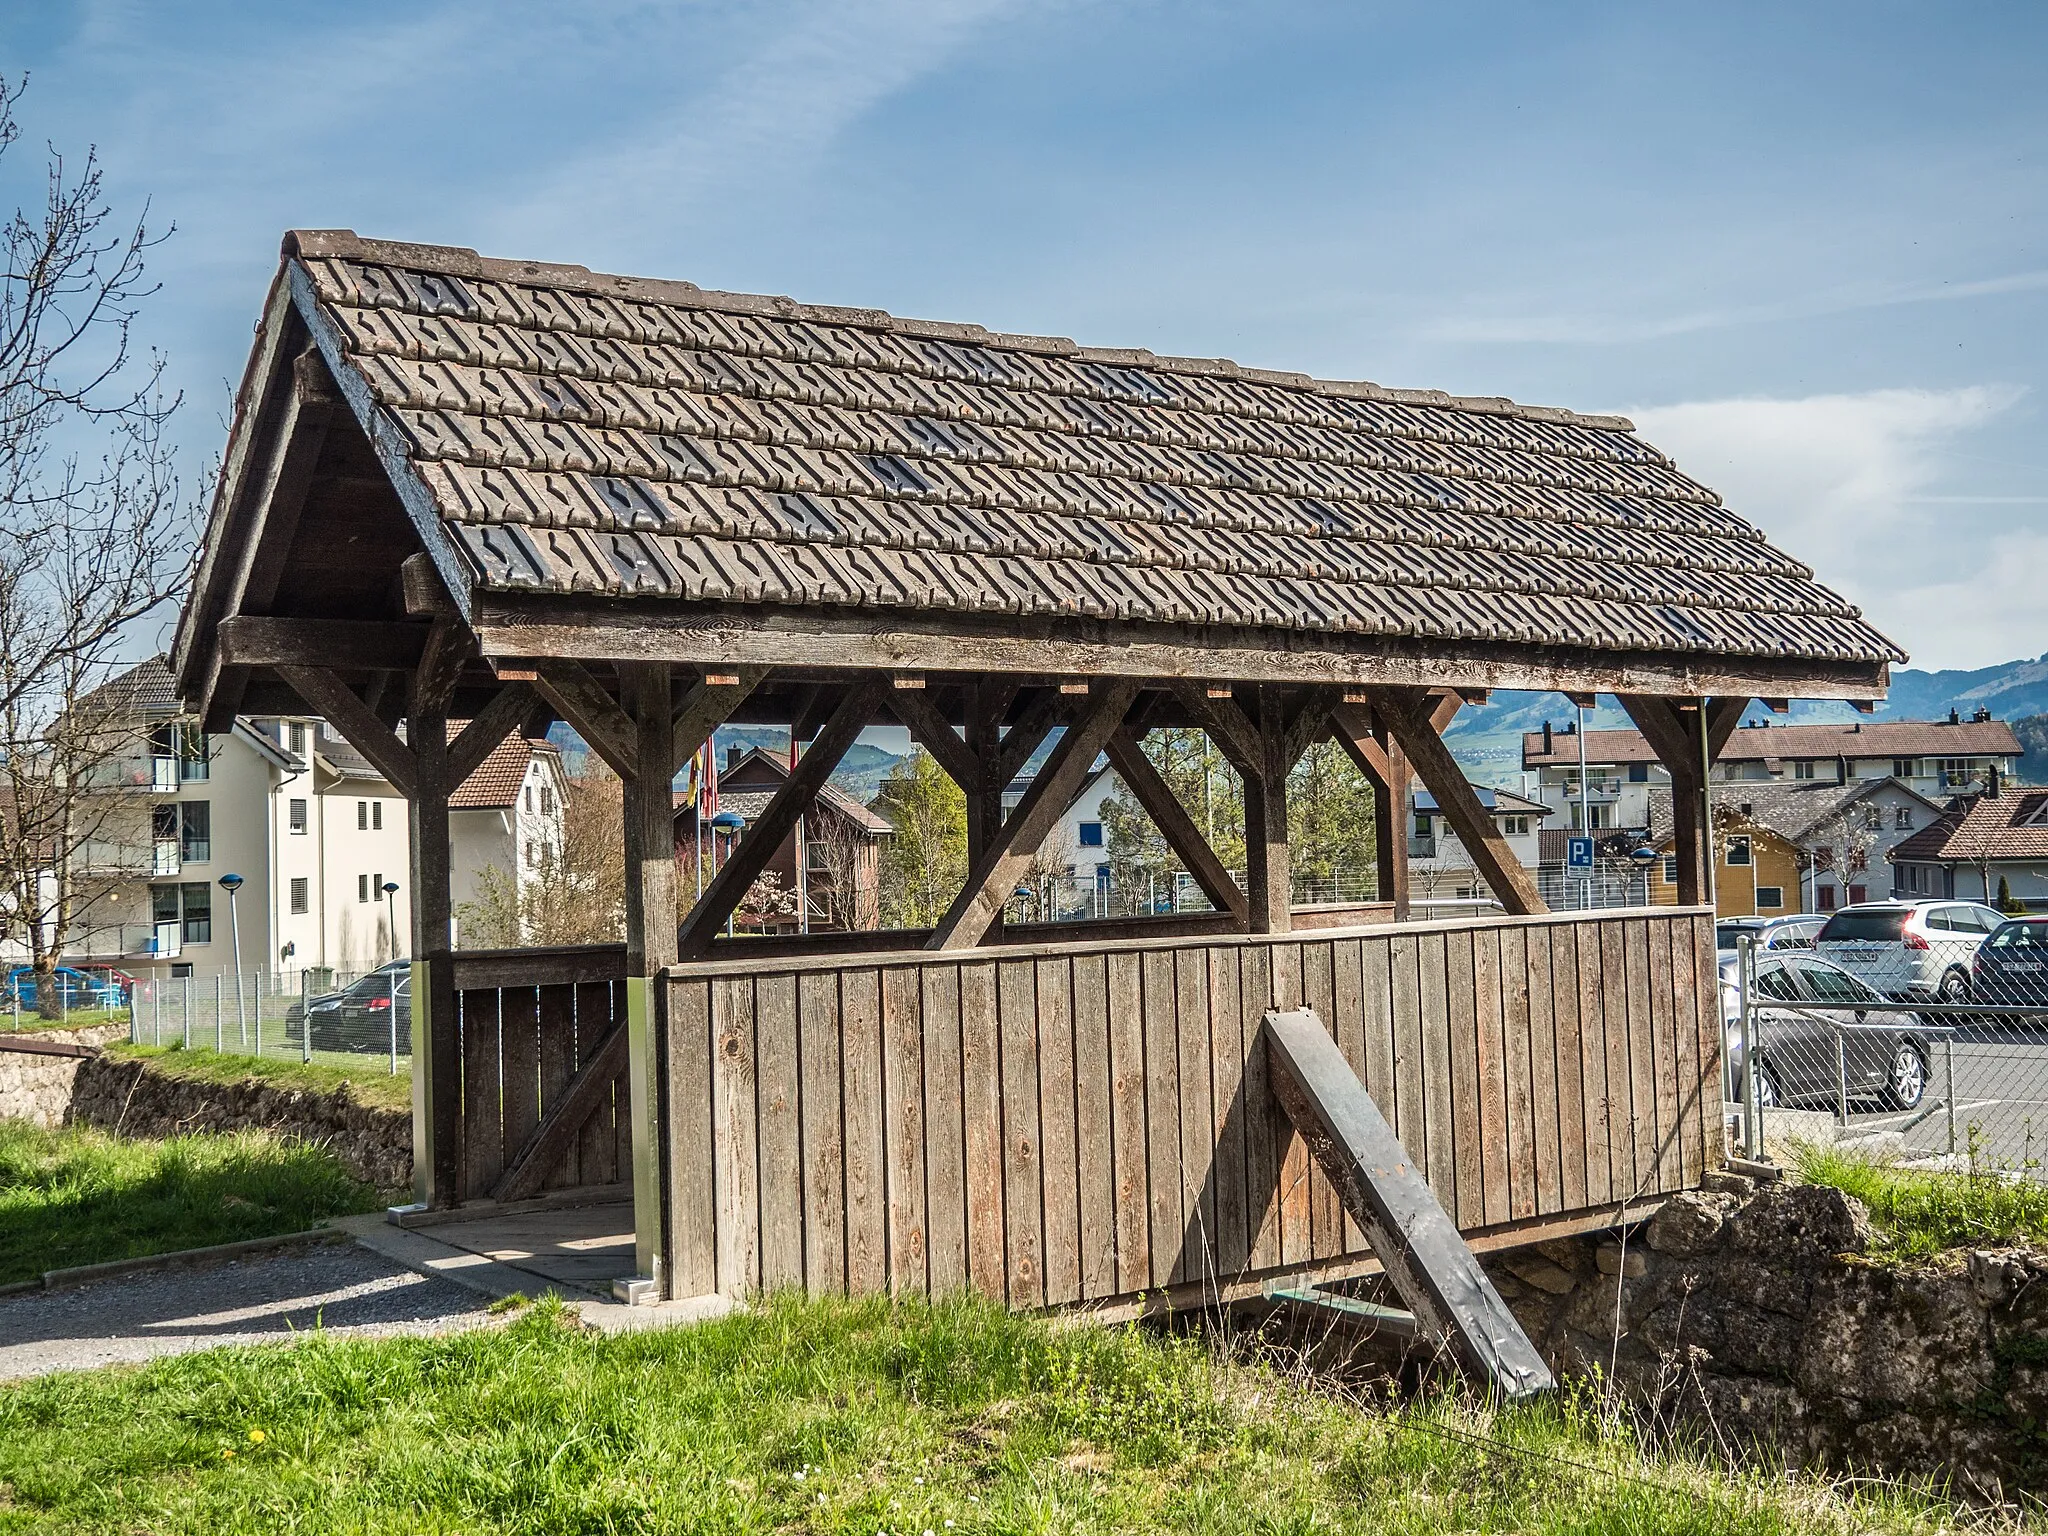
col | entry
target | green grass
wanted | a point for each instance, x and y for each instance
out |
(368, 1080)
(1918, 1212)
(858, 1418)
(81, 1196)
(77, 1018)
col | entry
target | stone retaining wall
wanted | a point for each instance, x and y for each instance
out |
(37, 1088)
(135, 1099)
(1762, 1318)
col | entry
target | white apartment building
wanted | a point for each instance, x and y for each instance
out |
(506, 816)
(315, 833)
(1439, 865)
(1932, 758)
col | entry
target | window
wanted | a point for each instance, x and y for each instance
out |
(195, 842)
(1902, 818)
(1775, 981)
(376, 815)
(193, 760)
(547, 800)
(532, 854)
(163, 904)
(1603, 817)
(1422, 824)
(377, 887)
(1770, 898)
(1671, 869)
(300, 894)
(1904, 767)
(1858, 894)
(1091, 834)
(1873, 818)
(295, 736)
(362, 815)
(298, 818)
(1824, 898)
(529, 799)
(197, 900)
(1738, 851)
(1803, 769)
(362, 887)
(1514, 826)
(1954, 772)
(1639, 773)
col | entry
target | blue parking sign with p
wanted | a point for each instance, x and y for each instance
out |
(1578, 853)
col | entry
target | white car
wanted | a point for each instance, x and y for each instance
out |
(1911, 950)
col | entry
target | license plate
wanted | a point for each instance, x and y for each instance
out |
(2024, 965)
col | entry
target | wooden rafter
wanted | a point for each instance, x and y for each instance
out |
(744, 865)
(328, 696)
(1127, 755)
(707, 706)
(1380, 758)
(1028, 734)
(1226, 724)
(364, 645)
(582, 701)
(1408, 715)
(491, 725)
(1009, 851)
(929, 729)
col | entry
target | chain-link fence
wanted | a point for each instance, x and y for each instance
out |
(1922, 1025)
(336, 1017)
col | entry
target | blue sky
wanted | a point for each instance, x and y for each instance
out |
(1806, 246)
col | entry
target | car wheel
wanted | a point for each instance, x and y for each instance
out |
(1955, 988)
(1906, 1083)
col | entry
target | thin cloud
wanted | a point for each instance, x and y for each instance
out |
(1844, 481)
(1591, 330)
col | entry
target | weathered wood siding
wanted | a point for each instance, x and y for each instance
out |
(1089, 1123)
(528, 1019)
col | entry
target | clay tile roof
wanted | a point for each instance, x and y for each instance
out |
(495, 784)
(1857, 739)
(144, 691)
(609, 435)
(2012, 825)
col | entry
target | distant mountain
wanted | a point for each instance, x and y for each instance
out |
(859, 773)
(2033, 734)
(1487, 738)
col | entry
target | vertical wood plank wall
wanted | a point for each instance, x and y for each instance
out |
(1090, 1123)
(527, 1019)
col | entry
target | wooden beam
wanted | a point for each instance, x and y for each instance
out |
(330, 698)
(493, 723)
(1724, 715)
(448, 648)
(356, 644)
(1680, 751)
(1408, 714)
(421, 592)
(1309, 725)
(582, 701)
(1226, 725)
(1015, 746)
(439, 1164)
(1008, 854)
(706, 707)
(649, 811)
(694, 634)
(1380, 758)
(1127, 755)
(775, 823)
(314, 406)
(929, 729)
(1268, 865)
(542, 1151)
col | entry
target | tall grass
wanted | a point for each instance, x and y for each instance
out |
(1917, 1212)
(366, 1077)
(836, 1417)
(81, 1196)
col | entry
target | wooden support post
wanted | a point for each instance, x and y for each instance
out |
(1269, 874)
(582, 701)
(1409, 715)
(1006, 856)
(1127, 756)
(744, 864)
(1379, 757)
(707, 706)
(334, 701)
(438, 1162)
(1687, 745)
(650, 944)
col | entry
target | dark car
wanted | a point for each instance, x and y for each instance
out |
(2011, 967)
(1883, 1051)
(358, 1017)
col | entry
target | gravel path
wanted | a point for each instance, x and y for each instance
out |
(345, 1289)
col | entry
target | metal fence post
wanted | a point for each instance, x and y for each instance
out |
(1948, 1068)
(185, 997)
(393, 1010)
(1841, 1077)
(220, 1028)
(305, 1018)
(1752, 1115)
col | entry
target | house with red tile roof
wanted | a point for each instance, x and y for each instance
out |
(1979, 842)
(506, 816)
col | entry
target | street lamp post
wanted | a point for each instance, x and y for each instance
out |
(233, 884)
(730, 823)
(391, 917)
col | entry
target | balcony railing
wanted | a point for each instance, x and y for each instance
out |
(104, 856)
(137, 774)
(129, 941)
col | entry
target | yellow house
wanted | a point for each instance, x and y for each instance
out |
(1756, 870)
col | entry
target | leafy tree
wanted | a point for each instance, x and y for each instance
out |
(925, 864)
(577, 892)
(2006, 904)
(1332, 842)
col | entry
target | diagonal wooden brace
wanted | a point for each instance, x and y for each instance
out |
(1127, 756)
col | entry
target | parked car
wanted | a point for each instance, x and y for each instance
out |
(358, 1017)
(1910, 950)
(78, 989)
(1883, 1051)
(2011, 966)
(1769, 932)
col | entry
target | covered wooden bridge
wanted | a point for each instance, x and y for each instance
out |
(505, 492)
